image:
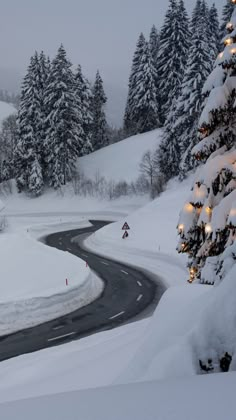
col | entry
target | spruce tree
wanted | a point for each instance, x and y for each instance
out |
(26, 154)
(214, 29)
(144, 111)
(84, 95)
(207, 222)
(226, 16)
(154, 44)
(172, 55)
(99, 130)
(64, 135)
(129, 125)
(190, 102)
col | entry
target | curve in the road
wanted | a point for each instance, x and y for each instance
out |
(127, 292)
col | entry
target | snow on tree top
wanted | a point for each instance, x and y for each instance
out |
(209, 144)
(224, 214)
(208, 173)
(215, 79)
(218, 99)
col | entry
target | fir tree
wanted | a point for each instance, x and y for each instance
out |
(172, 55)
(64, 136)
(129, 125)
(191, 99)
(226, 16)
(214, 29)
(207, 223)
(154, 44)
(29, 125)
(99, 132)
(144, 111)
(84, 95)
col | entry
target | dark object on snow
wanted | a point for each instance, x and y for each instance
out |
(207, 367)
(225, 362)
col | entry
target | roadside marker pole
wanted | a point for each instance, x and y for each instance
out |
(66, 282)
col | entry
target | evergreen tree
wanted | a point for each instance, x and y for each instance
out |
(5, 171)
(129, 125)
(172, 55)
(190, 102)
(214, 29)
(99, 132)
(84, 95)
(144, 111)
(207, 222)
(64, 136)
(154, 44)
(226, 16)
(29, 126)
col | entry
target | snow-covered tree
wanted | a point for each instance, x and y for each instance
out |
(172, 55)
(141, 113)
(129, 125)
(8, 139)
(226, 16)
(214, 30)
(64, 135)
(144, 111)
(207, 224)
(190, 103)
(99, 130)
(84, 95)
(154, 44)
(28, 148)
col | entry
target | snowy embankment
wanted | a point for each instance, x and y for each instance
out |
(152, 236)
(33, 283)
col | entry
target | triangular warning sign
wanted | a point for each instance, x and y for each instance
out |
(125, 235)
(126, 226)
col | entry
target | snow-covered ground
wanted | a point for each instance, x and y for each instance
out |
(33, 280)
(143, 370)
(152, 236)
(120, 161)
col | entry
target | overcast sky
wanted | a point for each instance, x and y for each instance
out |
(96, 33)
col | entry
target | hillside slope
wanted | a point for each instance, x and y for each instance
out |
(120, 161)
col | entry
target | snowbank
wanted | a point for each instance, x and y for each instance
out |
(152, 236)
(33, 283)
(198, 398)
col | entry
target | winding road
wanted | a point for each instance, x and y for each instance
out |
(128, 293)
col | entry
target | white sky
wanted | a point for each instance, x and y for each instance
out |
(96, 33)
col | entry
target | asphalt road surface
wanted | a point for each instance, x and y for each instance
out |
(128, 294)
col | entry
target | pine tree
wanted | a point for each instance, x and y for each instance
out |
(154, 44)
(129, 125)
(99, 132)
(144, 112)
(226, 16)
(207, 224)
(172, 55)
(190, 102)
(214, 29)
(29, 123)
(64, 136)
(84, 95)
